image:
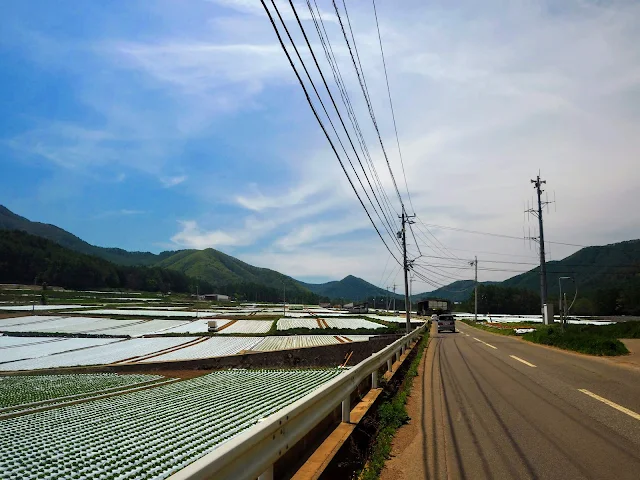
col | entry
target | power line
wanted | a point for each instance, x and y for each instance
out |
(499, 235)
(393, 116)
(321, 124)
(336, 109)
(337, 75)
(360, 76)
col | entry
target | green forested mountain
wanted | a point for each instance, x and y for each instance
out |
(11, 221)
(209, 266)
(349, 288)
(608, 276)
(220, 269)
(456, 291)
(593, 267)
(29, 259)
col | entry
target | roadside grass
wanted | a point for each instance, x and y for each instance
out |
(581, 340)
(392, 414)
(615, 330)
(602, 340)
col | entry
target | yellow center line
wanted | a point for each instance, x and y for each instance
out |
(521, 360)
(487, 344)
(620, 408)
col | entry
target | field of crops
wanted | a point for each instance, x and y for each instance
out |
(113, 352)
(37, 308)
(351, 323)
(248, 326)
(297, 322)
(150, 433)
(195, 326)
(332, 322)
(103, 326)
(20, 390)
(43, 346)
(295, 341)
(212, 347)
(148, 313)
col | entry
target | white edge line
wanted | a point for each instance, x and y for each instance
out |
(622, 409)
(523, 361)
(487, 344)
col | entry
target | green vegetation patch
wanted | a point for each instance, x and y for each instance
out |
(578, 339)
(392, 414)
(18, 390)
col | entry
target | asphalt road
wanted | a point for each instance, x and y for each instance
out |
(489, 406)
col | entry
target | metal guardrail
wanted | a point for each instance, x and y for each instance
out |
(252, 453)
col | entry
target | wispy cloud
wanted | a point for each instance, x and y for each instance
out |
(192, 236)
(169, 182)
(484, 97)
(124, 212)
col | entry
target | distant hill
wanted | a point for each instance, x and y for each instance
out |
(609, 266)
(219, 269)
(11, 221)
(593, 268)
(29, 259)
(349, 288)
(210, 266)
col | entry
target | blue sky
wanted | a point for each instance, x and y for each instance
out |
(179, 124)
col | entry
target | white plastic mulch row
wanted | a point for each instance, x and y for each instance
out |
(71, 325)
(148, 313)
(106, 326)
(27, 320)
(195, 326)
(7, 342)
(119, 437)
(351, 323)
(115, 351)
(43, 346)
(344, 323)
(212, 347)
(288, 323)
(27, 308)
(248, 326)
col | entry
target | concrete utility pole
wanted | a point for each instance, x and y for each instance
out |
(388, 297)
(394, 297)
(475, 294)
(403, 233)
(543, 268)
(284, 299)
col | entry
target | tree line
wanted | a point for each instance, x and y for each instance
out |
(29, 259)
(622, 298)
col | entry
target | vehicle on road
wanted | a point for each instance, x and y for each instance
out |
(446, 321)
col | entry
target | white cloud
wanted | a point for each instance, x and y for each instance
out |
(169, 182)
(192, 236)
(124, 212)
(484, 96)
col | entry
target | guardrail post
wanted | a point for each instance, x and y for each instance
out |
(346, 410)
(397, 356)
(267, 474)
(374, 379)
(389, 365)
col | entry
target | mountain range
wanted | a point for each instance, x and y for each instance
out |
(592, 266)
